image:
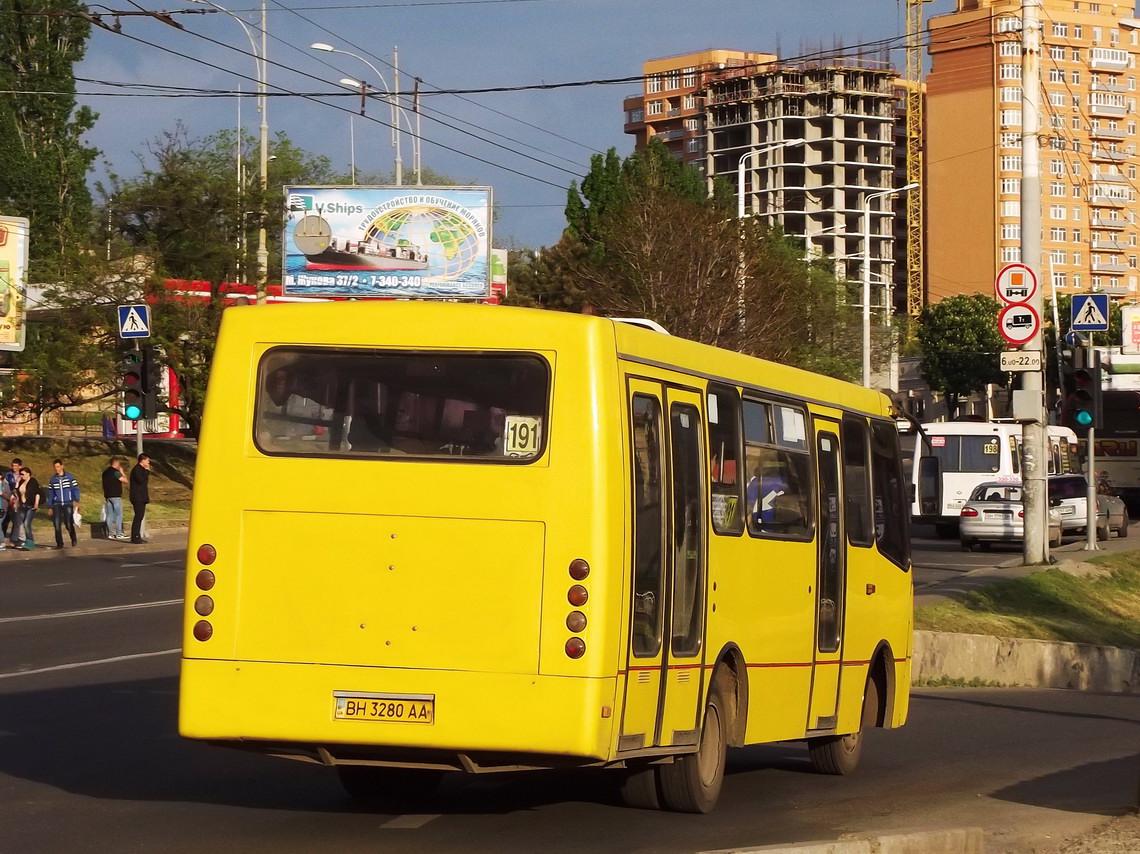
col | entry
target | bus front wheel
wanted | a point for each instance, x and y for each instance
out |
(839, 754)
(692, 782)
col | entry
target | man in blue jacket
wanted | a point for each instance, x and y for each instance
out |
(63, 499)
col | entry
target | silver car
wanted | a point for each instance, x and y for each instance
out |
(1069, 494)
(994, 513)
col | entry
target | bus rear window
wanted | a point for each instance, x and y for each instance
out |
(379, 403)
(967, 453)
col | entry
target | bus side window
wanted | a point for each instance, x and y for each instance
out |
(648, 527)
(856, 483)
(724, 460)
(892, 518)
(778, 492)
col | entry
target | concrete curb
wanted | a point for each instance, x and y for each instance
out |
(1025, 663)
(962, 840)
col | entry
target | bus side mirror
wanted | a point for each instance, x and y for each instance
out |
(930, 486)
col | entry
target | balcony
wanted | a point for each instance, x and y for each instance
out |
(1114, 290)
(1114, 110)
(1115, 269)
(1113, 178)
(1104, 200)
(1106, 133)
(1115, 224)
(1108, 59)
(1097, 153)
(1107, 86)
(1109, 245)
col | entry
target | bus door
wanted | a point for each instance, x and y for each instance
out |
(665, 654)
(831, 579)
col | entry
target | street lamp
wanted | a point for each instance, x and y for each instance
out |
(396, 111)
(740, 169)
(263, 154)
(867, 275)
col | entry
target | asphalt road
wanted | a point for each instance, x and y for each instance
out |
(90, 759)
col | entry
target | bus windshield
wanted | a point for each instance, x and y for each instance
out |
(967, 453)
(320, 402)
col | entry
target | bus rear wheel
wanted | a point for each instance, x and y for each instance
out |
(370, 784)
(692, 782)
(839, 754)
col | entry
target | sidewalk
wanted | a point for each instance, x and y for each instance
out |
(163, 536)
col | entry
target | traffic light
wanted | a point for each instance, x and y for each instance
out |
(151, 382)
(131, 381)
(1084, 404)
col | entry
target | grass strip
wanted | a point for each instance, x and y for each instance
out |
(1051, 605)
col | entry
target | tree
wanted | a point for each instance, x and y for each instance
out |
(961, 346)
(43, 161)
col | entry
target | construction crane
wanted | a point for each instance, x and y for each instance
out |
(914, 165)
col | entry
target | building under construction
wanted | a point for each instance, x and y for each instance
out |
(845, 111)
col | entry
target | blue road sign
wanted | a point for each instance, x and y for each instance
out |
(134, 321)
(1090, 313)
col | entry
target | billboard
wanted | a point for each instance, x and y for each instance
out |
(13, 281)
(431, 242)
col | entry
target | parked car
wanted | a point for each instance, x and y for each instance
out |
(1114, 504)
(994, 513)
(1069, 494)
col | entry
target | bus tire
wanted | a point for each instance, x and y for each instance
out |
(693, 781)
(839, 754)
(639, 788)
(370, 784)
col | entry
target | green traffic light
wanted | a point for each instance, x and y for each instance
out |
(1083, 417)
(132, 412)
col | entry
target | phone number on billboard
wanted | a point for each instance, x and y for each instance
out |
(348, 281)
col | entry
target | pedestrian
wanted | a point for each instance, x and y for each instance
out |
(63, 501)
(28, 502)
(12, 479)
(113, 480)
(140, 495)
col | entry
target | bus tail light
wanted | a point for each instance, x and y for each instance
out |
(576, 621)
(1020, 514)
(575, 648)
(579, 569)
(969, 511)
(204, 579)
(207, 554)
(203, 631)
(577, 596)
(203, 606)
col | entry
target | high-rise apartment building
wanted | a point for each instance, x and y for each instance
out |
(671, 106)
(1087, 147)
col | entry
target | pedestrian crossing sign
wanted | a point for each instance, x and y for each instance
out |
(1090, 313)
(134, 321)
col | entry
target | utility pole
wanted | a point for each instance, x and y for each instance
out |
(1029, 400)
(263, 181)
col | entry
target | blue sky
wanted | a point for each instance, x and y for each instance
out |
(450, 45)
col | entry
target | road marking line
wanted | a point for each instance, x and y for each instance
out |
(123, 577)
(107, 610)
(58, 584)
(409, 822)
(78, 664)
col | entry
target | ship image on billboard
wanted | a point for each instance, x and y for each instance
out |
(387, 242)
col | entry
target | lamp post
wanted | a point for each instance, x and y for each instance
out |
(867, 275)
(259, 55)
(396, 111)
(740, 169)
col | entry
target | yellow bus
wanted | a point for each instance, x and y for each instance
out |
(429, 538)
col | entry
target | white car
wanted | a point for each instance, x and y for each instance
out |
(994, 513)
(1069, 494)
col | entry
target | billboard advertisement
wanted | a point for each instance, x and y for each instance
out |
(13, 281)
(431, 242)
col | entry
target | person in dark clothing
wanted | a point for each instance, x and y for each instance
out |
(12, 510)
(28, 497)
(113, 480)
(140, 495)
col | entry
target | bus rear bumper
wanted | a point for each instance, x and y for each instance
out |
(288, 709)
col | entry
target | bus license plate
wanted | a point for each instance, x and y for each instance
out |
(401, 708)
